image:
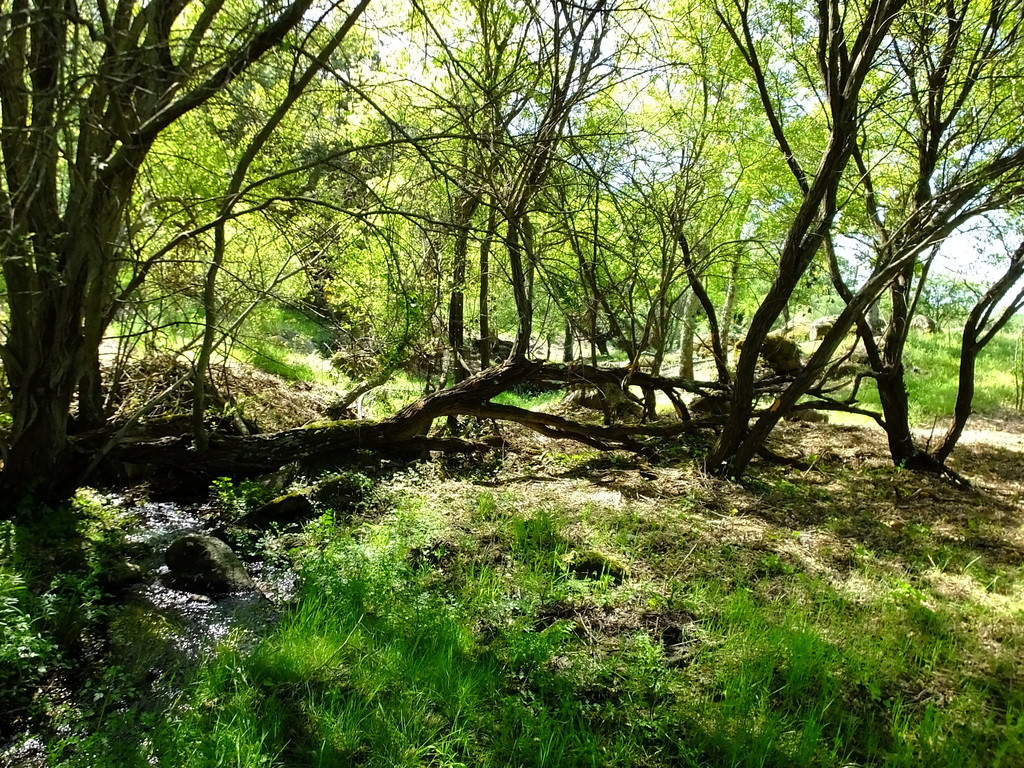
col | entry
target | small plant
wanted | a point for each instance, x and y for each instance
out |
(23, 649)
(486, 507)
(538, 538)
(237, 498)
(323, 529)
(350, 491)
(568, 460)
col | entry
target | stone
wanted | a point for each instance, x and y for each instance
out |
(342, 492)
(276, 482)
(354, 362)
(336, 411)
(499, 349)
(711, 405)
(206, 565)
(591, 564)
(820, 327)
(122, 573)
(808, 416)
(779, 353)
(288, 509)
(797, 326)
(924, 324)
(605, 396)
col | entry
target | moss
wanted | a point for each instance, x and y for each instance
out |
(340, 426)
(591, 564)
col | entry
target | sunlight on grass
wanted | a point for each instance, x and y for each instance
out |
(528, 401)
(933, 364)
(411, 647)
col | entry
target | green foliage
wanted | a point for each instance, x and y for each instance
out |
(374, 669)
(53, 567)
(274, 358)
(414, 644)
(529, 402)
(24, 650)
(241, 496)
(549, 636)
(1018, 372)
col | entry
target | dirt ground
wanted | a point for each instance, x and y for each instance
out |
(851, 500)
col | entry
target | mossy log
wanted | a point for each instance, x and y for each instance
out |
(401, 432)
(404, 432)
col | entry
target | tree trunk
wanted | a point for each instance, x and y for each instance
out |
(701, 298)
(252, 150)
(729, 306)
(263, 453)
(892, 392)
(457, 329)
(258, 454)
(74, 138)
(856, 306)
(657, 360)
(43, 346)
(844, 70)
(91, 411)
(464, 209)
(686, 336)
(964, 399)
(891, 380)
(978, 332)
(485, 279)
(875, 319)
(40, 464)
(519, 247)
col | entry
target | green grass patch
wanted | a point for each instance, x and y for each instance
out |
(528, 401)
(819, 679)
(277, 359)
(416, 641)
(932, 369)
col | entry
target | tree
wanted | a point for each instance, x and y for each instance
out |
(846, 44)
(989, 315)
(85, 95)
(953, 151)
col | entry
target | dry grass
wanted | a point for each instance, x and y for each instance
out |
(261, 398)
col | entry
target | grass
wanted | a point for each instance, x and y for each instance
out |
(529, 401)
(837, 618)
(55, 566)
(456, 630)
(401, 390)
(270, 356)
(932, 367)
(288, 344)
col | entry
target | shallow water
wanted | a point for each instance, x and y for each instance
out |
(198, 622)
(160, 631)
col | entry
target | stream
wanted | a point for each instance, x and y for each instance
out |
(156, 630)
(196, 623)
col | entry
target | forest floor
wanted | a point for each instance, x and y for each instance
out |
(603, 609)
(556, 606)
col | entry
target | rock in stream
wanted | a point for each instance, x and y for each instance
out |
(205, 564)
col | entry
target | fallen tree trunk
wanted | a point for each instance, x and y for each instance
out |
(405, 431)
